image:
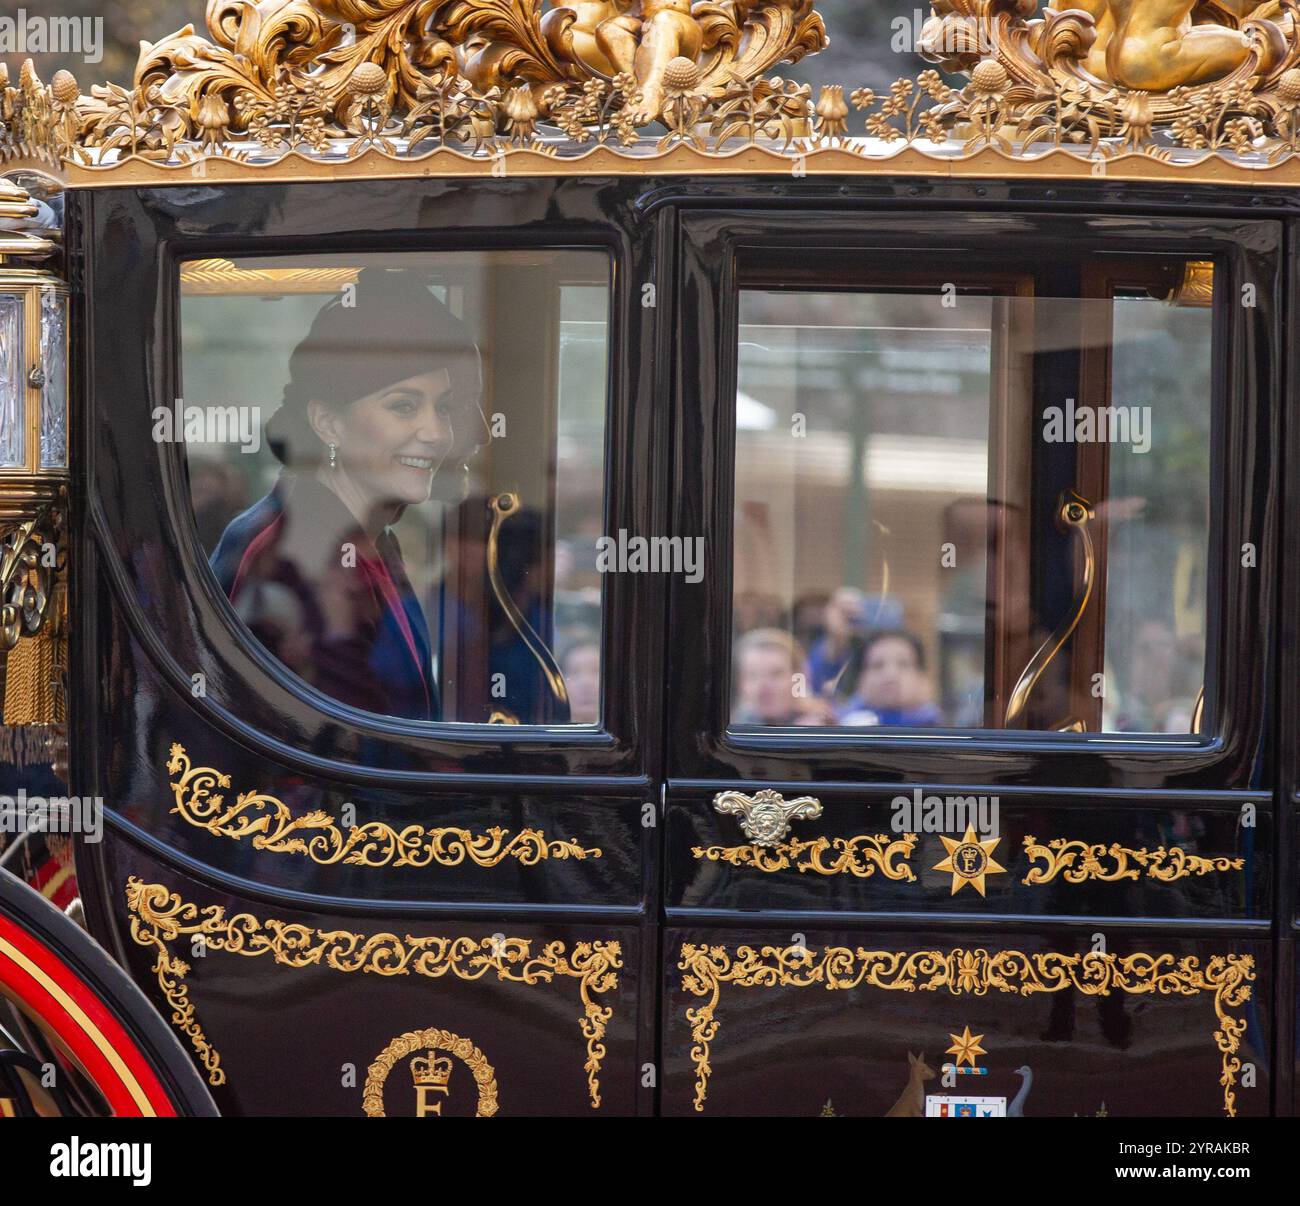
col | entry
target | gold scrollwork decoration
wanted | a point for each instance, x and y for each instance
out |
(33, 612)
(1078, 861)
(28, 573)
(860, 856)
(272, 826)
(287, 88)
(414, 1041)
(976, 972)
(160, 917)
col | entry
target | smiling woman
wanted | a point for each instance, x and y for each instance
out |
(381, 366)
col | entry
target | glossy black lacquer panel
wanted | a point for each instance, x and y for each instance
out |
(563, 843)
(1288, 713)
(1090, 1023)
(287, 1012)
(1243, 488)
(580, 865)
(1063, 854)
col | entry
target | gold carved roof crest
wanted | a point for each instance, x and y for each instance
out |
(308, 89)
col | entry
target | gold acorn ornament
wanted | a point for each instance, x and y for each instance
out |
(369, 109)
(65, 93)
(990, 78)
(368, 80)
(986, 107)
(1288, 112)
(683, 102)
(1288, 86)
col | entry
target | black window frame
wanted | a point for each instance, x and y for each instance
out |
(1243, 481)
(252, 697)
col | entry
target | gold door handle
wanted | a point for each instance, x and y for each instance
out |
(765, 817)
(1074, 512)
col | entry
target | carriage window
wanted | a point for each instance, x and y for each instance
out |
(396, 464)
(971, 507)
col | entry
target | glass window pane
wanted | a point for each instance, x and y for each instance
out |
(396, 463)
(1158, 557)
(987, 510)
(13, 385)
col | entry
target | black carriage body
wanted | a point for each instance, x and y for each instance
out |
(653, 978)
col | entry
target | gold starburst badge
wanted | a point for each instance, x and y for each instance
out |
(969, 860)
(966, 1047)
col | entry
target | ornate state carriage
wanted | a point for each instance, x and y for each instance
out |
(861, 644)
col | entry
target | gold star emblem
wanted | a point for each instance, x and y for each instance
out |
(966, 1047)
(969, 860)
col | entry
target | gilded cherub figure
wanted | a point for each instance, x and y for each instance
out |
(645, 40)
(1156, 45)
(589, 17)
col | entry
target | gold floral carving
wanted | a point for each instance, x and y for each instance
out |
(160, 918)
(311, 89)
(1078, 861)
(272, 826)
(415, 1041)
(860, 856)
(976, 972)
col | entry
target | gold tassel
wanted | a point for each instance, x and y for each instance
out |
(34, 672)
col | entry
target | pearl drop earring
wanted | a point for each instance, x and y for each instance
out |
(334, 455)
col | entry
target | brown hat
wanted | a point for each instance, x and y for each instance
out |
(388, 329)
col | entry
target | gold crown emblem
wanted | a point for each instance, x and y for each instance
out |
(432, 1070)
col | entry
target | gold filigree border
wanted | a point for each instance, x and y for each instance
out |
(908, 160)
(272, 826)
(707, 968)
(372, 1097)
(160, 917)
(860, 856)
(1078, 861)
(1073, 860)
(333, 81)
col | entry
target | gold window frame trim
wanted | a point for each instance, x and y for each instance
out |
(160, 917)
(705, 969)
(272, 826)
(911, 161)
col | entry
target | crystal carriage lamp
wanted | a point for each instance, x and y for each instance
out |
(33, 343)
(33, 453)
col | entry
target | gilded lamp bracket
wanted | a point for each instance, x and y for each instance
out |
(33, 457)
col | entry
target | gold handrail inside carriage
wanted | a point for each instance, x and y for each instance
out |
(1074, 513)
(503, 505)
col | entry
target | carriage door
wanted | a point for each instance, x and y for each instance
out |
(969, 801)
(368, 720)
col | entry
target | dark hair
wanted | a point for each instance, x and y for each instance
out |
(862, 653)
(384, 329)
